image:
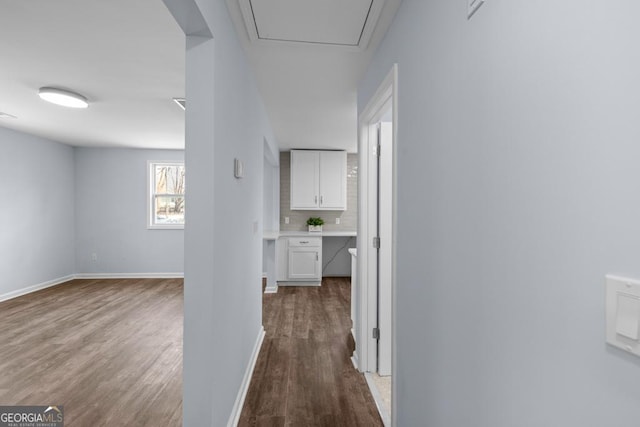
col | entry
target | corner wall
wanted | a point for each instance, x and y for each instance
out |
(37, 212)
(111, 215)
(225, 119)
(518, 185)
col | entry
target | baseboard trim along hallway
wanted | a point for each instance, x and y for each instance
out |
(244, 387)
(273, 290)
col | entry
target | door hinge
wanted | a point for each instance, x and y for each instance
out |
(376, 334)
(376, 148)
(376, 242)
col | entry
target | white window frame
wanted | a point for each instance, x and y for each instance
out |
(151, 195)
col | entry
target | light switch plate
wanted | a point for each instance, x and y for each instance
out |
(238, 168)
(473, 6)
(623, 313)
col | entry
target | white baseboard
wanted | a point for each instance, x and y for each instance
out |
(271, 289)
(244, 387)
(287, 283)
(54, 282)
(354, 360)
(34, 288)
(129, 276)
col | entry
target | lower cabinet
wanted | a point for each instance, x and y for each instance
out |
(299, 260)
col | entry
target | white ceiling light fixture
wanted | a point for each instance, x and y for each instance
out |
(63, 97)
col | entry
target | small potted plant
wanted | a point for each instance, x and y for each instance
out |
(315, 224)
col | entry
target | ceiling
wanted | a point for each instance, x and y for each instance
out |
(332, 22)
(308, 57)
(127, 58)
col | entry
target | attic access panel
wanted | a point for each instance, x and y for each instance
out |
(330, 22)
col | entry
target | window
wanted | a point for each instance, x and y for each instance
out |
(166, 195)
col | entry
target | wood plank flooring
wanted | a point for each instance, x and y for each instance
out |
(304, 375)
(110, 351)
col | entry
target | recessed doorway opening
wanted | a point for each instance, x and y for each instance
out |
(375, 313)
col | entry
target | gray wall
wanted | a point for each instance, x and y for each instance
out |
(223, 236)
(271, 188)
(518, 181)
(298, 219)
(111, 214)
(37, 215)
(336, 259)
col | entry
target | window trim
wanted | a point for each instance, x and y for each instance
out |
(151, 195)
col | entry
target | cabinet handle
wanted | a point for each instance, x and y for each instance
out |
(315, 199)
(321, 200)
(317, 257)
(304, 242)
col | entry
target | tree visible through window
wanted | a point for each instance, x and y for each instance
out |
(167, 195)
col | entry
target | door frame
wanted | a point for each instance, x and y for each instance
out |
(365, 356)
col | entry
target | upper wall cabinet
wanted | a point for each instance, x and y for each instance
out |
(318, 180)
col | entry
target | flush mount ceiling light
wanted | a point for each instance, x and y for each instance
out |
(63, 97)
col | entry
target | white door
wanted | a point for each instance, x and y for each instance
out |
(385, 256)
(333, 180)
(304, 179)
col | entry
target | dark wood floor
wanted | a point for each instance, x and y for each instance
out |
(110, 351)
(304, 375)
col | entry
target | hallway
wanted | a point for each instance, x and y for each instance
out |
(304, 375)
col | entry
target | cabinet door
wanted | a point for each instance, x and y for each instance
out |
(304, 179)
(333, 180)
(304, 263)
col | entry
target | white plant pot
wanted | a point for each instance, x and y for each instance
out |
(315, 228)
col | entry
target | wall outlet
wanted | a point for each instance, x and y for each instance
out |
(337, 221)
(286, 220)
(94, 256)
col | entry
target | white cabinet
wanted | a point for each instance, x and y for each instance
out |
(300, 260)
(304, 263)
(305, 179)
(318, 180)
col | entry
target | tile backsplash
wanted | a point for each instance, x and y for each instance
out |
(298, 219)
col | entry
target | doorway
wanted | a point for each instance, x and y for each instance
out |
(375, 337)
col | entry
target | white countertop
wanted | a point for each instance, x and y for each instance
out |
(270, 235)
(273, 235)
